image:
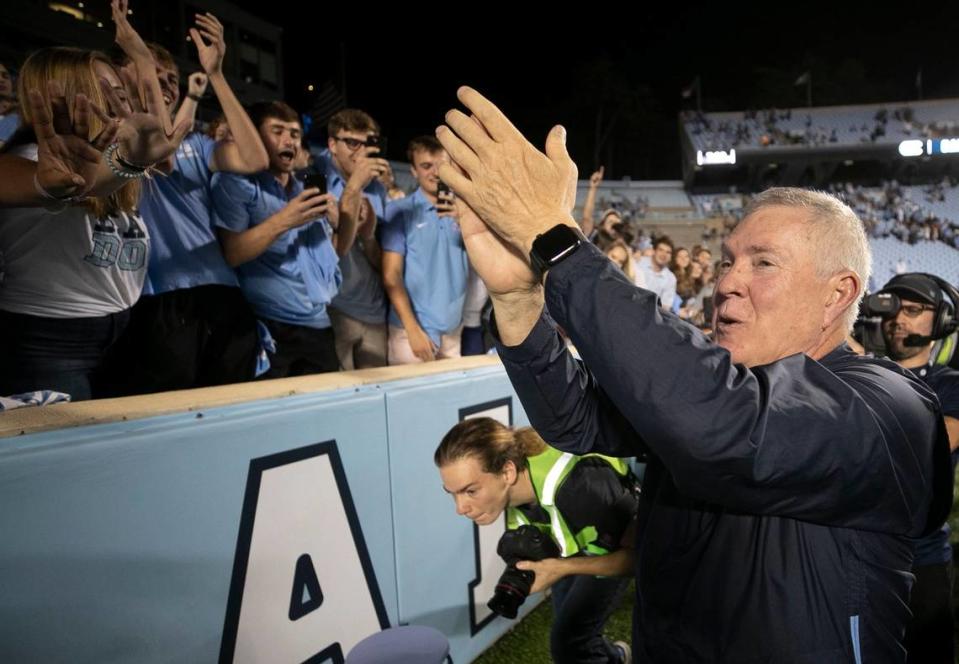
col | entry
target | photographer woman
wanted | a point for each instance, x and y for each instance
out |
(585, 504)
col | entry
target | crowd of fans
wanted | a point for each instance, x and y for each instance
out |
(138, 255)
(765, 128)
(683, 278)
(757, 128)
(890, 210)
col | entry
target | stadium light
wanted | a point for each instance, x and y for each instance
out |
(713, 157)
(911, 148)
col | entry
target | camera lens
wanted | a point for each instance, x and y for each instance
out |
(512, 589)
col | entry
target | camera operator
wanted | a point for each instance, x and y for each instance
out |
(918, 312)
(585, 504)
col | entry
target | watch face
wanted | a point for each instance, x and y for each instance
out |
(556, 243)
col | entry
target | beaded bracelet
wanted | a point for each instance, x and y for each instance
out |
(120, 167)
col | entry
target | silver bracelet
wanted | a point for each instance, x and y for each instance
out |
(119, 167)
(64, 201)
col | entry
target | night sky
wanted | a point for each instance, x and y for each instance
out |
(574, 68)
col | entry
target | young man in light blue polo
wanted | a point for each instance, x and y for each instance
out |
(424, 265)
(352, 167)
(285, 243)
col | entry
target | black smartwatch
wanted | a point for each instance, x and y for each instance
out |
(553, 247)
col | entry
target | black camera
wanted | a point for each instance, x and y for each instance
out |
(512, 589)
(880, 305)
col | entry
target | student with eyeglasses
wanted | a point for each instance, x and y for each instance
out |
(354, 168)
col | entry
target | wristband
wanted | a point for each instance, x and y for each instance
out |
(120, 167)
(194, 97)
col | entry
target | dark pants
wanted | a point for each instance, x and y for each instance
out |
(929, 635)
(581, 607)
(472, 341)
(61, 354)
(301, 350)
(193, 337)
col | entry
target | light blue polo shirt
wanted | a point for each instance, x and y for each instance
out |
(295, 279)
(184, 251)
(361, 294)
(435, 266)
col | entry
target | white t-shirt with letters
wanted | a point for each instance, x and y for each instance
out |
(68, 264)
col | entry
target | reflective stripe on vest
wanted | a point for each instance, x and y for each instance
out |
(515, 519)
(547, 471)
(567, 544)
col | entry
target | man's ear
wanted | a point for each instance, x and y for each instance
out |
(843, 291)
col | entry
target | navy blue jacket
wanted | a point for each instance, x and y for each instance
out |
(778, 502)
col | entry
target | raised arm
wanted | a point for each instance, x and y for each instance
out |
(589, 205)
(196, 86)
(243, 244)
(246, 153)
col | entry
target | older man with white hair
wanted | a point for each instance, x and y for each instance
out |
(786, 474)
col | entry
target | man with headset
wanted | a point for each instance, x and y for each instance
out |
(920, 309)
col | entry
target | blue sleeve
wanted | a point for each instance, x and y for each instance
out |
(232, 197)
(396, 210)
(205, 145)
(393, 232)
(851, 446)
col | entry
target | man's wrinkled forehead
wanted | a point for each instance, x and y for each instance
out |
(777, 230)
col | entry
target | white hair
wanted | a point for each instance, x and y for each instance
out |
(838, 235)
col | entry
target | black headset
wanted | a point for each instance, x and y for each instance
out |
(944, 320)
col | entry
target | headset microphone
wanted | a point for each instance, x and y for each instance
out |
(916, 340)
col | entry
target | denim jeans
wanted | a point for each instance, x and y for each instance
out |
(59, 354)
(581, 607)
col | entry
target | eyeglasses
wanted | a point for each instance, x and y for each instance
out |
(352, 144)
(913, 310)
